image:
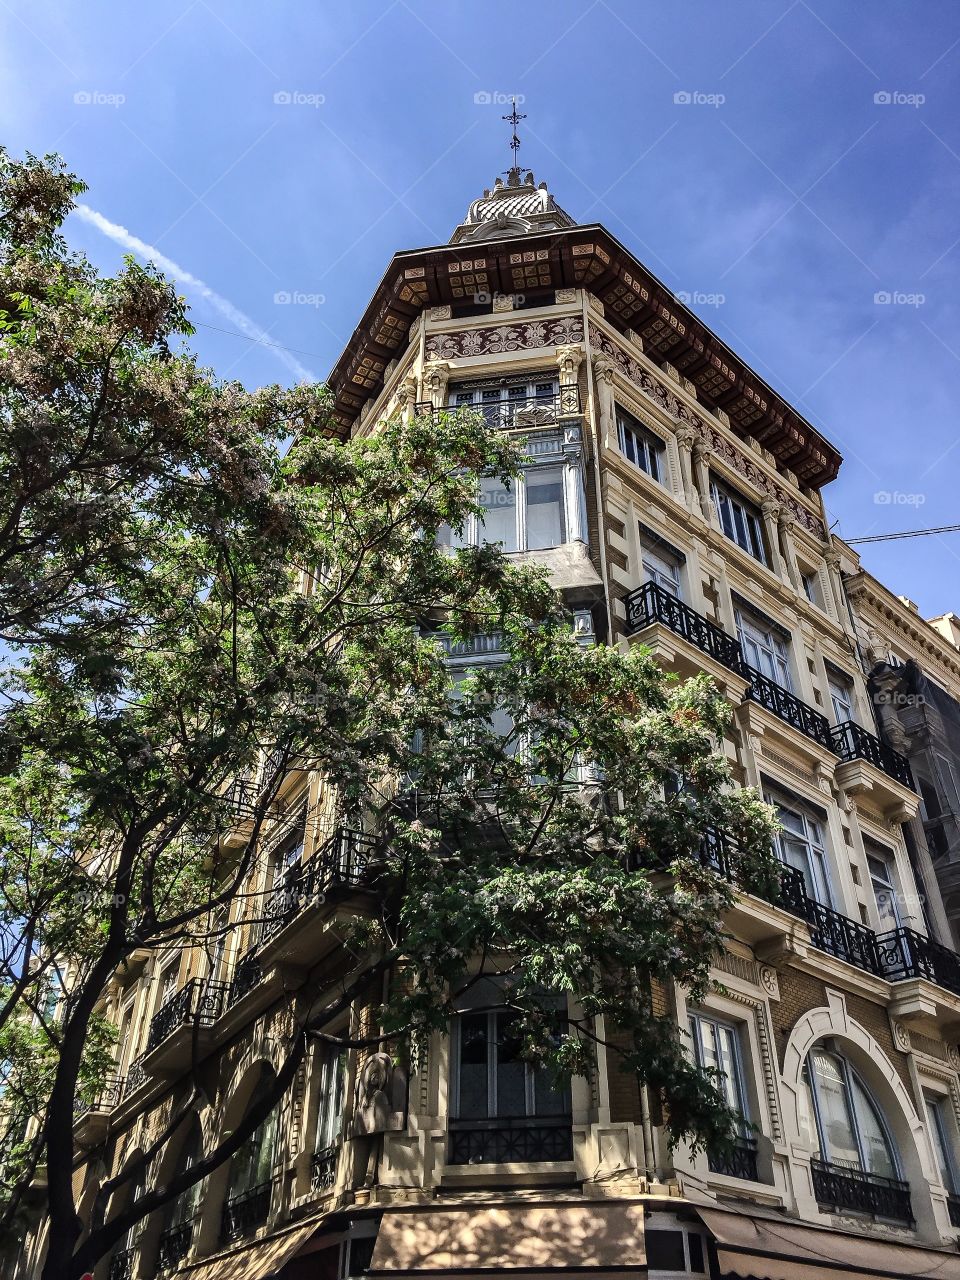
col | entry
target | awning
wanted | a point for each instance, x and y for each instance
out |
(257, 1261)
(774, 1249)
(537, 1237)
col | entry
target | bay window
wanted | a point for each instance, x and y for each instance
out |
(527, 514)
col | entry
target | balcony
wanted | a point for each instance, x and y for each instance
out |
(738, 1161)
(174, 1245)
(521, 1140)
(323, 1168)
(136, 1077)
(197, 1002)
(246, 975)
(121, 1265)
(790, 709)
(652, 603)
(342, 863)
(517, 414)
(852, 1190)
(851, 742)
(244, 1213)
(91, 1115)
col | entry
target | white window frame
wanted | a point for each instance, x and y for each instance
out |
(661, 567)
(698, 1019)
(473, 526)
(771, 651)
(842, 697)
(945, 1158)
(334, 1069)
(740, 520)
(811, 837)
(882, 866)
(848, 1074)
(529, 1073)
(496, 401)
(641, 447)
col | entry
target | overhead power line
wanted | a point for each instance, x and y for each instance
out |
(909, 533)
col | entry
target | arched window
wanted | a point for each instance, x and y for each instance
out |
(179, 1216)
(247, 1205)
(845, 1127)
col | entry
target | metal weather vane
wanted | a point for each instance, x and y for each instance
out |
(514, 119)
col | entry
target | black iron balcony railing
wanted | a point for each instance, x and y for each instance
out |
(738, 1161)
(108, 1094)
(851, 742)
(323, 1168)
(653, 603)
(243, 1214)
(174, 1245)
(343, 859)
(135, 1077)
(518, 412)
(506, 1140)
(953, 1210)
(199, 1002)
(121, 1265)
(837, 1187)
(789, 708)
(904, 953)
(842, 937)
(246, 975)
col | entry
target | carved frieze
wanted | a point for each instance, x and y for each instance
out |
(495, 339)
(671, 404)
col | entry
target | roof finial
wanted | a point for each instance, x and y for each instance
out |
(514, 119)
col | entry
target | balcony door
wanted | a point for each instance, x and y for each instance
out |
(662, 569)
(844, 1124)
(801, 845)
(763, 649)
(510, 402)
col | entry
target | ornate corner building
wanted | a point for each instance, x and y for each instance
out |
(675, 499)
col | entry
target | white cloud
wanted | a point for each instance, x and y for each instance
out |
(121, 236)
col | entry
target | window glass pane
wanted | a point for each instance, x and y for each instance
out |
(473, 1066)
(511, 1069)
(806, 1115)
(836, 1117)
(330, 1116)
(876, 1148)
(937, 1124)
(661, 570)
(545, 509)
(499, 521)
(884, 889)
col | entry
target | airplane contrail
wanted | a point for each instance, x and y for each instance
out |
(127, 240)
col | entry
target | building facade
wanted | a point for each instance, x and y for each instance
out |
(675, 499)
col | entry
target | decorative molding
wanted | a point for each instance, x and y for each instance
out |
(566, 295)
(901, 1037)
(670, 403)
(764, 1045)
(953, 1056)
(492, 340)
(770, 981)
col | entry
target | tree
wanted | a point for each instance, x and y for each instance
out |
(185, 602)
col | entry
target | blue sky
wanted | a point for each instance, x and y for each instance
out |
(815, 167)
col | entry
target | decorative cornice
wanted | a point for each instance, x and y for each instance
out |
(462, 343)
(724, 448)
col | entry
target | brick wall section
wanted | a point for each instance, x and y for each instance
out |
(624, 1091)
(875, 1020)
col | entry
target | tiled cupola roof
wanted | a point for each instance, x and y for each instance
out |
(512, 208)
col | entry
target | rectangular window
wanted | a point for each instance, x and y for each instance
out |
(739, 520)
(716, 1047)
(493, 1080)
(499, 520)
(841, 697)
(801, 845)
(545, 508)
(640, 446)
(509, 403)
(332, 1088)
(940, 1128)
(811, 586)
(763, 648)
